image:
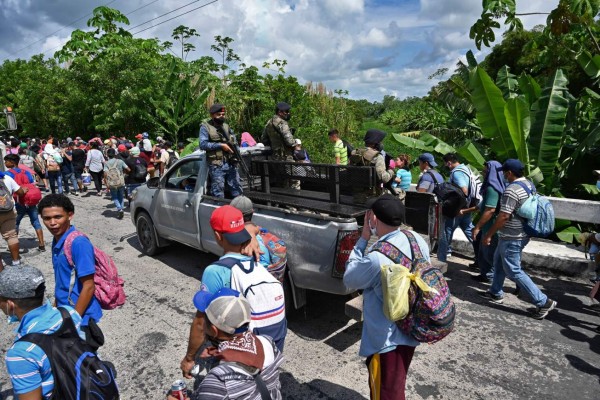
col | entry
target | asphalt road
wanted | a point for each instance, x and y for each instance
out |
(496, 351)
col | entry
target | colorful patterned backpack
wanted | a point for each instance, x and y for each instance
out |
(431, 316)
(277, 252)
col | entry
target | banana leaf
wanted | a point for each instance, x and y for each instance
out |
(412, 142)
(507, 82)
(489, 105)
(471, 155)
(529, 87)
(589, 63)
(548, 126)
(569, 234)
(518, 122)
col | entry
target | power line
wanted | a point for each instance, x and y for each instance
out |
(47, 36)
(177, 16)
(160, 16)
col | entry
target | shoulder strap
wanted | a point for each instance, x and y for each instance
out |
(435, 181)
(230, 262)
(262, 388)
(415, 249)
(67, 329)
(524, 186)
(68, 246)
(389, 250)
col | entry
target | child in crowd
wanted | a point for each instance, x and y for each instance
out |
(403, 176)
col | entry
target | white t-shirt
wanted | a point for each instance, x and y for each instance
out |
(11, 184)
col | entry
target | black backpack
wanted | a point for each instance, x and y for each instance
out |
(140, 170)
(450, 196)
(77, 370)
(171, 160)
(349, 148)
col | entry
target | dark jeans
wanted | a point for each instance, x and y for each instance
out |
(97, 177)
(388, 371)
(55, 179)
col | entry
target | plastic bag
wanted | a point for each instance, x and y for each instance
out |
(86, 179)
(529, 208)
(396, 280)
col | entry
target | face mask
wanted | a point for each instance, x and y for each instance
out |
(220, 120)
(287, 116)
(11, 319)
(373, 230)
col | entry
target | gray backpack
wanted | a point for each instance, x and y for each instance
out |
(7, 203)
(114, 175)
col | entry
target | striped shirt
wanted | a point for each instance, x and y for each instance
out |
(234, 381)
(27, 364)
(512, 199)
(339, 150)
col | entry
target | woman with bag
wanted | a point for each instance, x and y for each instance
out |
(53, 161)
(95, 165)
(114, 170)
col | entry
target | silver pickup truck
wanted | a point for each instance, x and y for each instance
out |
(318, 228)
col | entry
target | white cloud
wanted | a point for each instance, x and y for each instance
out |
(361, 46)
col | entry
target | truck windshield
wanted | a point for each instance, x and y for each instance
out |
(183, 176)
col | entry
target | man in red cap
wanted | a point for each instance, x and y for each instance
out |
(237, 271)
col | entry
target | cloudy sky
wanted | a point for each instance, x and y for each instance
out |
(371, 48)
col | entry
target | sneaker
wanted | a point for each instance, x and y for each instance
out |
(473, 265)
(76, 193)
(541, 312)
(491, 297)
(42, 248)
(121, 214)
(16, 263)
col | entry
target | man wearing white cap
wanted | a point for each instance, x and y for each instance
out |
(248, 363)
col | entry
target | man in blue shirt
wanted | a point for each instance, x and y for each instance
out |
(228, 225)
(427, 182)
(57, 212)
(460, 175)
(389, 351)
(22, 300)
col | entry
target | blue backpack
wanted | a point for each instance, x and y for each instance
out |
(538, 212)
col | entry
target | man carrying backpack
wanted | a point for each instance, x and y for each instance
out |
(239, 272)
(114, 173)
(167, 157)
(460, 175)
(26, 204)
(22, 299)
(42, 361)
(512, 239)
(138, 170)
(57, 212)
(248, 363)
(389, 350)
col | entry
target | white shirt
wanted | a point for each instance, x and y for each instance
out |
(11, 184)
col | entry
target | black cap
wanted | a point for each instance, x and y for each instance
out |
(388, 209)
(282, 106)
(374, 136)
(215, 108)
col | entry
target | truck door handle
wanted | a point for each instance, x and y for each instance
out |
(187, 204)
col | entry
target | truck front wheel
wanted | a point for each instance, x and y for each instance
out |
(147, 235)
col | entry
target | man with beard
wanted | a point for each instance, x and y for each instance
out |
(278, 135)
(218, 140)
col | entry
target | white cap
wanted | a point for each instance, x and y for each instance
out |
(298, 142)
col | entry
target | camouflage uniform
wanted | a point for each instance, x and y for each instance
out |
(278, 134)
(367, 156)
(221, 165)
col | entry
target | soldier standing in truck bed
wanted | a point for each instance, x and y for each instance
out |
(278, 135)
(218, 140)
(369, 155)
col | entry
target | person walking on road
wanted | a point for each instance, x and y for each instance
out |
(512, 239)
(95, 165)
(247, 361)
(218, 140)
(57, 212)
(388, 350)
(114, 171)
(459, 175)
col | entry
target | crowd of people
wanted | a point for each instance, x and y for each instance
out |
(240, 319)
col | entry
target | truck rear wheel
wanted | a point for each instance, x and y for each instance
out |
(147, 235)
